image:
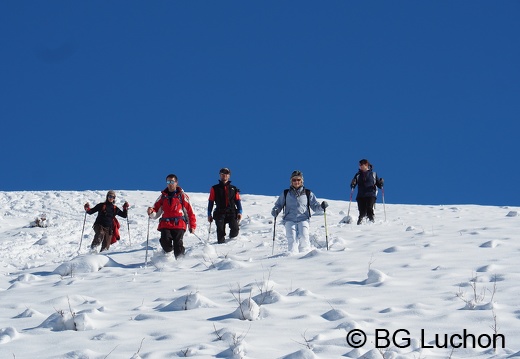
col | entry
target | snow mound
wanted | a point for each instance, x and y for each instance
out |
(334, 314)
(28, 313)
(59, 321)
(8, 334)
(84, 264)
(268, 297)
(375, 276)
(248, 310)
(226, 264)
(189, 302)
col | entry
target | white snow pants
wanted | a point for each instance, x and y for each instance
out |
(297, 236)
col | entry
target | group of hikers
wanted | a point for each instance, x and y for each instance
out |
(176, 216)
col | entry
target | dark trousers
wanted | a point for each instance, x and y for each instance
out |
(220, 221)
(103, 236)
(171, 240)
(366, 207)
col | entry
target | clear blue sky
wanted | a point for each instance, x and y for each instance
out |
(117, 94)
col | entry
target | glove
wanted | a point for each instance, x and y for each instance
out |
(324, 204)
(149, 210)
(274, 212)
(353, 184)
(192, 230)
(87, 206)
(210, 219)
(126, 205)
(239, 216)
(381, 183)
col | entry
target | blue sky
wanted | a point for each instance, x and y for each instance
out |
(117, 94)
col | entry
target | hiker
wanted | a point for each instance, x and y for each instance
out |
(367, 181)
(177, 216)
(297, 201)
(228, 208)
(106, 225)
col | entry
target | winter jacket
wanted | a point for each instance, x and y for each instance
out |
(296, 209)
(107, 212)
(226, 197)
(367, 183)
(175, 209)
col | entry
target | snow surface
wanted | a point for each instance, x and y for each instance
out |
(424, 273)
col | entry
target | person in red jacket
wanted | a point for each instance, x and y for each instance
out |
(174, 208)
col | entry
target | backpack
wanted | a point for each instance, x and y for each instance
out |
(180, 196)
(115, 234)
(307, 193)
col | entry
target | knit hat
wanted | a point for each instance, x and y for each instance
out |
(297, 174)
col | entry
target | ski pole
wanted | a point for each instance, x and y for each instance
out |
(326, 231)
(147, 237)
(200, 239)
(209, 230)
(349, 219)
(128, 223)
(274, 233)
(81, 239)
(384, 208)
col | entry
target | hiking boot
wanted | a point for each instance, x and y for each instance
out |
(359, 221)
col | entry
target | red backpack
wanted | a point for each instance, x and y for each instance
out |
(115, 234)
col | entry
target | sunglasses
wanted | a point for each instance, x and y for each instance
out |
(296, 180)
(110, 196)
(170, 181)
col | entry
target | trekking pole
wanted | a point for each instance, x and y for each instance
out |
(326, 231)
(384, 208)
(200, 239)
(274, 233)
(209, 230)
(349, 219)
(147, 237)
(81, 239)
(128, 223)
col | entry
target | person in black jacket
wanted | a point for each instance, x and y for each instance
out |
(367, 181)
(106, 225)
(228, 208)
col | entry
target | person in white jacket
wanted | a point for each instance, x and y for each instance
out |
(297, 203)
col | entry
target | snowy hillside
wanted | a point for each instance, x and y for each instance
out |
(429, 282)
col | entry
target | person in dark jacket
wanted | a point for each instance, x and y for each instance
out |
(228, 209)
(177, 216)
(368, 182)
(106, 225)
